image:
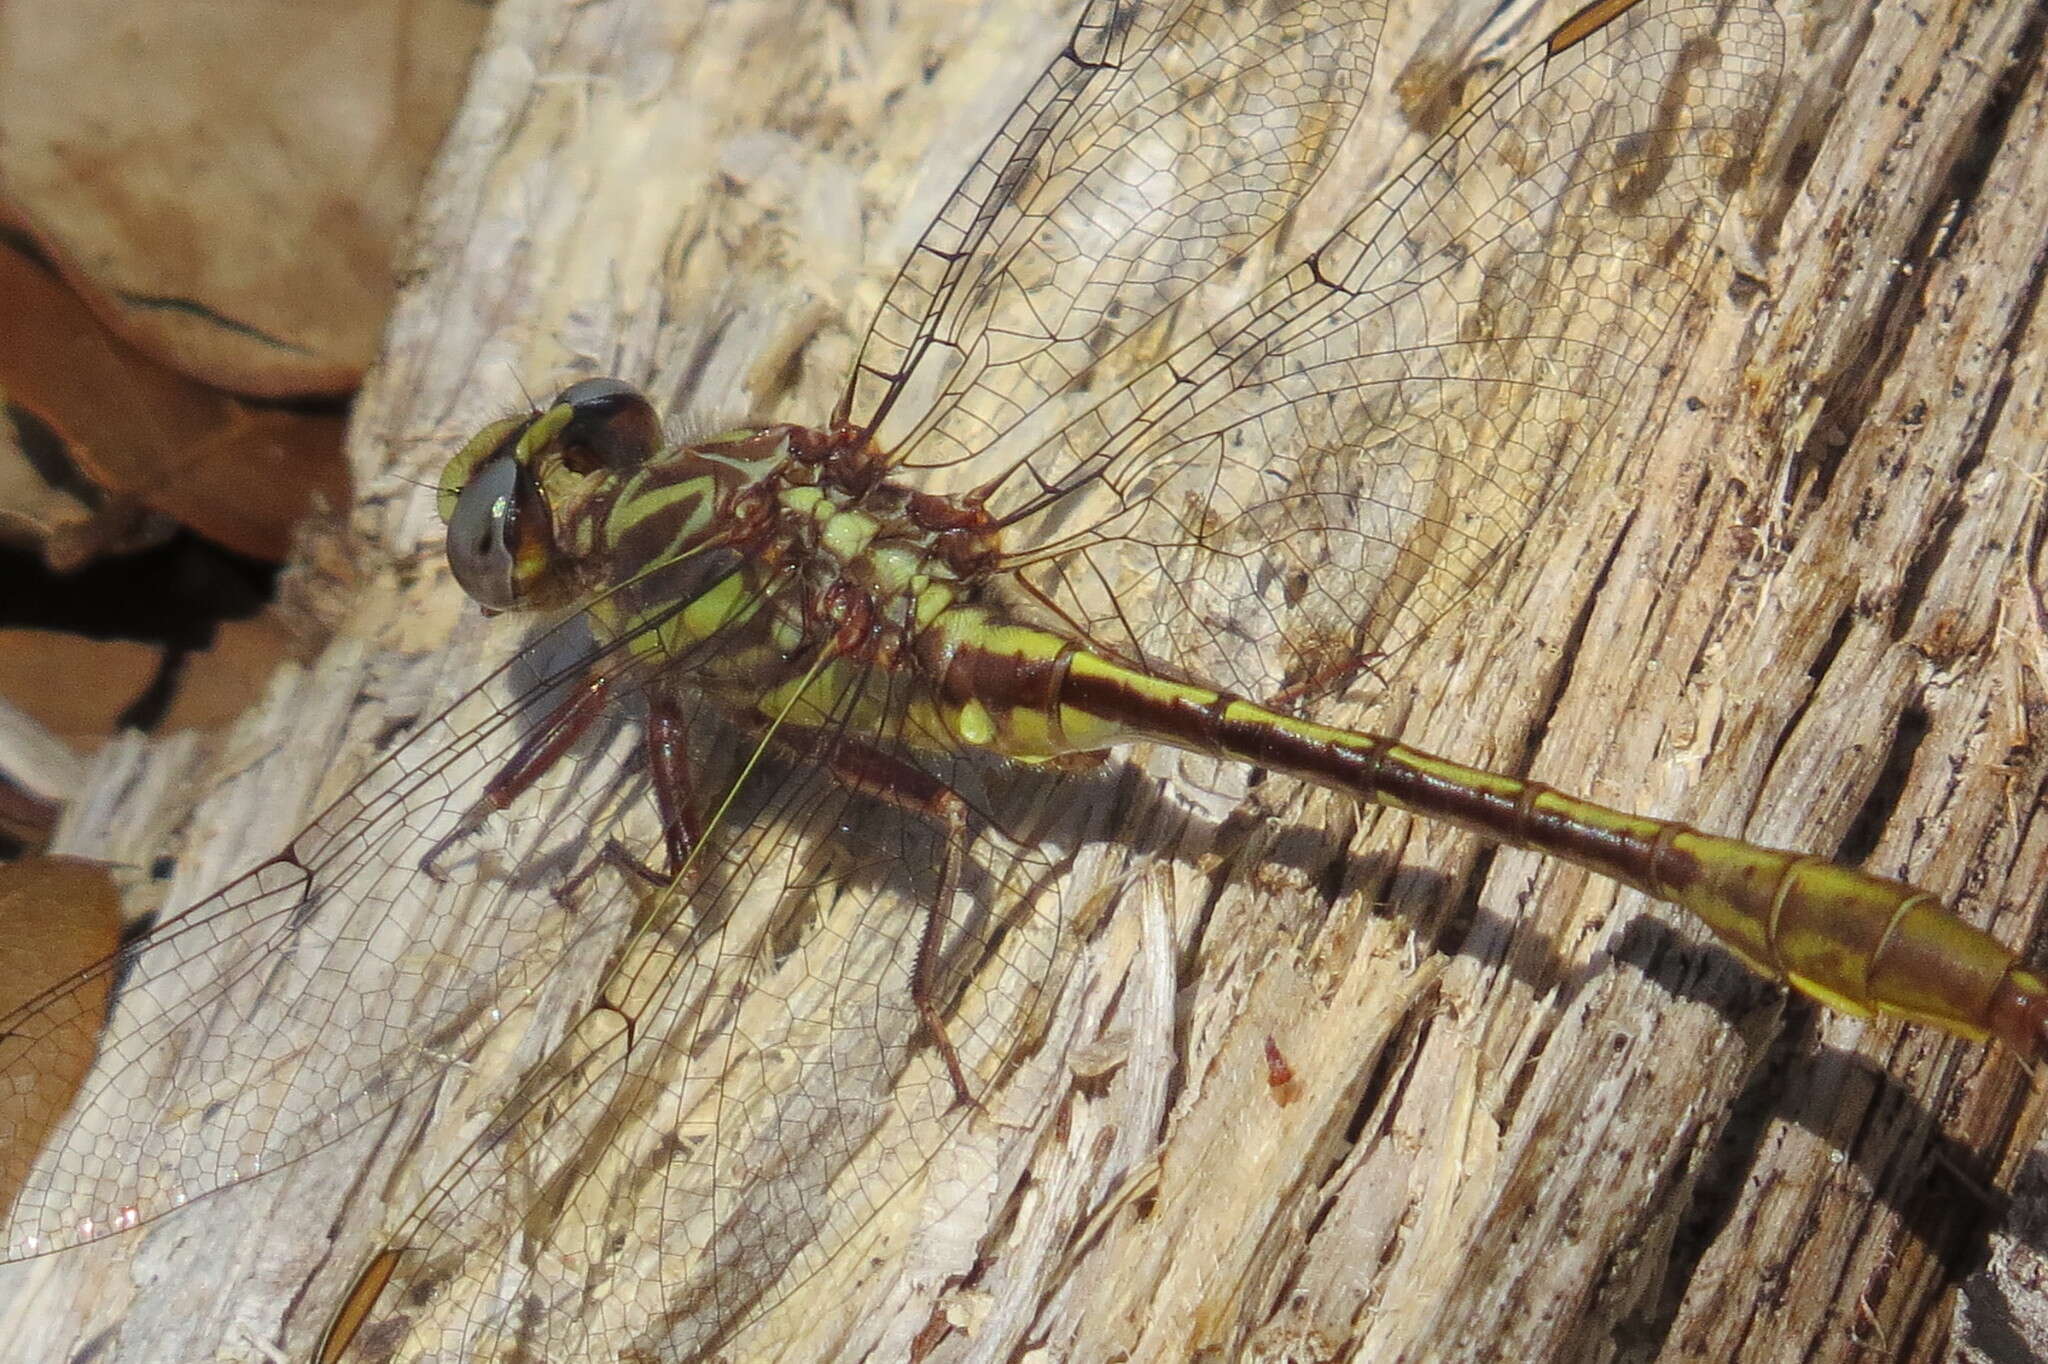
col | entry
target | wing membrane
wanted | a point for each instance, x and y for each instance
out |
(1162, 143)
(751, 1095)
(1326, 472)
(338, 976)
(739, 1090)
(310, 962)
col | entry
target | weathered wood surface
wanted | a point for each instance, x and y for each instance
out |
(1531, 1117)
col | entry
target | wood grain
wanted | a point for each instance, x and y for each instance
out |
(1526, 1116)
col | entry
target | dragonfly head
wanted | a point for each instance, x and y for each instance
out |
(502, 541)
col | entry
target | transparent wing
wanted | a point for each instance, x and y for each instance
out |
(754, 1091)
(1331, 464)
(1321, 475)
(730, 1080)
(1161, 145)
(311, 994)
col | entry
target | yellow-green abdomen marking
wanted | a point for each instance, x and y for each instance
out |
(1857, 942)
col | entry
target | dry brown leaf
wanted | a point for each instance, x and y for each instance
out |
(231, 177)
(45, 672)
(81, 400)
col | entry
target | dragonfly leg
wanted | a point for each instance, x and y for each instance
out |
(1320, 680)
(538, 752)
(615, 855)
(668, 767)
(914, 791)
(924, 980)
(682, 828)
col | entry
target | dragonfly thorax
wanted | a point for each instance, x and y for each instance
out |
(748, 566)
(565, 503)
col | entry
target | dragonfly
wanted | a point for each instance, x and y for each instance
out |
(880, 671)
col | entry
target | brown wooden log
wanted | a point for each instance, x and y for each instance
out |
(1320, 1084)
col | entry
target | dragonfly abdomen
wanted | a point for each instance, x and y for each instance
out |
(1856, 942)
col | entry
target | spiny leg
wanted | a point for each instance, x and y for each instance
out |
(538, 752)
(912, 790)
(667, 744)
(668, 763)
(852, 763)
(668, 767)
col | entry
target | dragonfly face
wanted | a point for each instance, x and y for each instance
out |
(496, 492)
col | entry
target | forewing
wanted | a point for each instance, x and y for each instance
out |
(312, 994)
(755, 1091)
(1162, 144)
(1321, 475)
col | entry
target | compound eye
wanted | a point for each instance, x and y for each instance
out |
(611, 426)
(500, 535)
(596, 391)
